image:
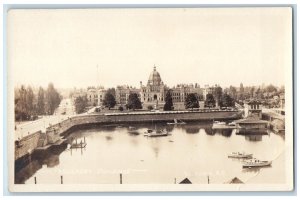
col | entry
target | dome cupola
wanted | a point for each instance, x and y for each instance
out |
(154, 78)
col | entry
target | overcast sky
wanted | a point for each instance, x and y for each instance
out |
(205, 46)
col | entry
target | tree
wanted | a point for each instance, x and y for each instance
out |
(191, 101)
(218, 94)
(259, 93)
(20, 103)
(233, 92)
(41, 102)
(227, 101)
(241, 92)
(109, 100)
(134, 102)
(168, 101)
(53, 99)
(81, 103)
(111, 91)
(150, 107)
(210, 101)
(200, 97)
(252, 92)
(29, 101)
(271, 88)
(281, 89)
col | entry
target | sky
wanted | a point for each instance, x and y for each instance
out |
(110, 47)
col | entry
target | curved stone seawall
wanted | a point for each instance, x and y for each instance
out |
(53, 134)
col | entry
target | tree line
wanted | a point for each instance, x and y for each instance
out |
(28, 104)
(218, 97)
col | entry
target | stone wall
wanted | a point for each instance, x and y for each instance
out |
(143, 117)
(27, 144)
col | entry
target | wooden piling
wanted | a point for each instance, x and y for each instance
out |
(207, 179)
(61, 180)
(35, 180)
(121, 178)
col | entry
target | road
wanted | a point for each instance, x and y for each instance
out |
(66, 109)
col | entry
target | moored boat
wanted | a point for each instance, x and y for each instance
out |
(239, 155)
(222, 125)
(176, 121)
(155, 133)
(256, 163)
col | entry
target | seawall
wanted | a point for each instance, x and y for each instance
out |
(53, 135)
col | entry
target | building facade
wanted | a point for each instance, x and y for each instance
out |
(153, 93)
(123, 92)
(95, 96)
(253, 108)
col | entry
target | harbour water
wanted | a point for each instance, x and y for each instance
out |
(192, 151)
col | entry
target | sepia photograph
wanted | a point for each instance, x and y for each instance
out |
(150, 99)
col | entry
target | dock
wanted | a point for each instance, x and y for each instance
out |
(222, 126)
(78, 145)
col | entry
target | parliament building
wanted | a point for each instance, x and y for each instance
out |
(151, 94)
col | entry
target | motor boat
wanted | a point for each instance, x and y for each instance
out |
(155, 133)
(256, 163)
(239, 155)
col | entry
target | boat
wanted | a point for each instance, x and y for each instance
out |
(132, 128)
(232, 124)
(176, 121)
(223, 125)
(219, 123)
(256, 163)
(155, 133)
(239, 155)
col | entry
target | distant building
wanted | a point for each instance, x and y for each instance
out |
(208, 90)
(253, 108)
(78, 93)
(282, 101)
(123, 92)
(153, 93)
(181, 91)
(95, 96)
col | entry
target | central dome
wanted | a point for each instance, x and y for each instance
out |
(154, 78)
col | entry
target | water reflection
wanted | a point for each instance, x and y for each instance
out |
(192, 130)
(193, 148)
(209, 131)
(133, 133)
(253, 138)
(27, 171)
(254, 169)
(223, 132)
(108, 138)
(49, 158)
(51, 161)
